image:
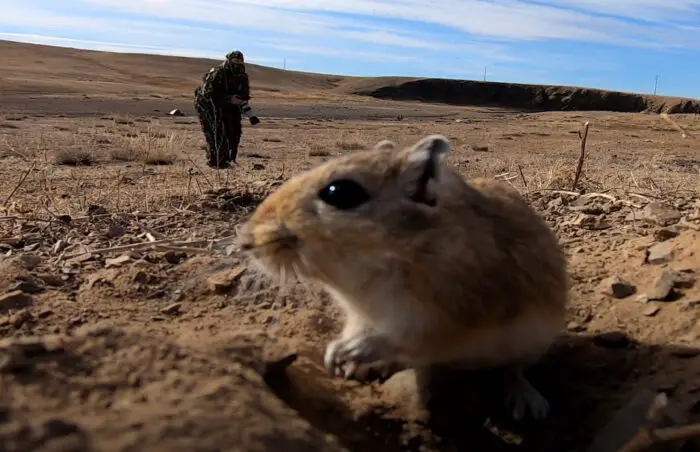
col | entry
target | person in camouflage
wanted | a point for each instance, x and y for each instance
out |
(217, 102)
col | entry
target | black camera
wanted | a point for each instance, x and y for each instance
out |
(247, 111)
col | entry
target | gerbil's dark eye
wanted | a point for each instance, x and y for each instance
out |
(344, 194)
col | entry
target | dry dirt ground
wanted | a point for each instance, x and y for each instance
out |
(129, 321)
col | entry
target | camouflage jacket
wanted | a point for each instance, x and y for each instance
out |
(221, 83)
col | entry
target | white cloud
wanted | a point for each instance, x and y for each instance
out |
(459, 36)
(129, 48)
(502, 19)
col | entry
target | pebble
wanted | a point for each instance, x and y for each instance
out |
(28, 286)
(15, 300)
(222, 281)
(30, 261)
(656, 212)
(618, 288)
(44, 313)
(664, 234)
(171, 309)
(663, 287)
(651, 311)
(117, 261)
(659, 253)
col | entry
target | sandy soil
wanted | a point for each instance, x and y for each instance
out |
(129, 322)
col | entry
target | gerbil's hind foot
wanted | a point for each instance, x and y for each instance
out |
(523, 398)
(363, 358)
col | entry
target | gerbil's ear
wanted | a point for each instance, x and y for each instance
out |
(421, 168)
(385, 145)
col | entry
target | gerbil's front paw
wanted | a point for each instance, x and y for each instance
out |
(523, 398)
(358, 356)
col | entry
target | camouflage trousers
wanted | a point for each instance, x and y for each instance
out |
(222, 130)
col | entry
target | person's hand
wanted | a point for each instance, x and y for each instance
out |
(236, 100)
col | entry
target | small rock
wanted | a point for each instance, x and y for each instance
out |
(171, 309)
(117, 261)
(27, 287)
(15, 300)
(174, 257)
(29, 261)
(651, 311)
(659, 253)
(175, 112)
(51, 280)
(96, 209)
(684, 278)
(656, 212)
(114, 231)
(141, 277)
(20, 318)
(258, 167)
(44, 313)
(224, 280)
(663, 287)
(613, 339)
(643, 298)
(57, 428)
(618, 288)
(158, 318)
(664, 234)
(402, 387)
(591, 222)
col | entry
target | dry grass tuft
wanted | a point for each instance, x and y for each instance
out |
(151, 148)
(73, 157)
(123, 120)
(349, 145)
(317, 150)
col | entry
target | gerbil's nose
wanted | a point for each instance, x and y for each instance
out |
(245, 237)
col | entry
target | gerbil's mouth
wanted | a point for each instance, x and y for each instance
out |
(287, 242)
(267, 239)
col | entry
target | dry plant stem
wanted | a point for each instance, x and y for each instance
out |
(675, 125)
(19, 184)
(183, 249)
(582, 156)
(119, 181)
(134, 246)
(522, 177)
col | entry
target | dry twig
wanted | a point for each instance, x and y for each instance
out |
(582, 156)
(19, 184)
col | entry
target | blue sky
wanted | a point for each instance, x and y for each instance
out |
(611, 44)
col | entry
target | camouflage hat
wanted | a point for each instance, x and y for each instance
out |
(236, 54)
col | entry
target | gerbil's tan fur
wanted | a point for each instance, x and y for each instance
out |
(465, 273)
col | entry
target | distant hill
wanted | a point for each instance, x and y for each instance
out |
(36, 70)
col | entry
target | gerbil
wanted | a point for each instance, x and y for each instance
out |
(430, 269)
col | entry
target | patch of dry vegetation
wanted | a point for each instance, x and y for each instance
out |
(74, 157)
(647, 162)
(349, 145)
(318, 150)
